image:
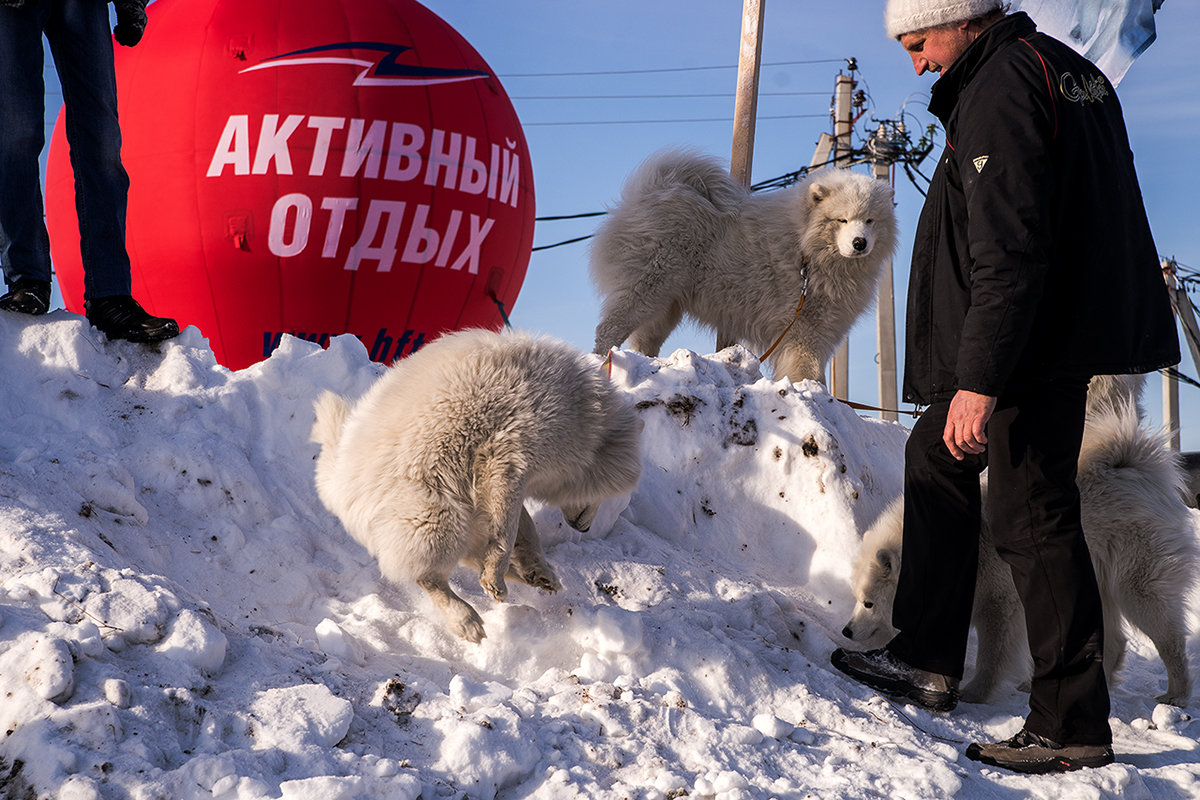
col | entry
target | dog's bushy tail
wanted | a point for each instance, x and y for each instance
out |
(701, 173)
(1116, 438)
(331, 416)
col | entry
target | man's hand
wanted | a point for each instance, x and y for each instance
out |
(966, 423)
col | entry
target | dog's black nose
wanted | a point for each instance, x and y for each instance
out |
(859, 243)
(849, 634)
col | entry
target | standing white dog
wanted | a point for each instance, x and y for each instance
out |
(432, 465)
(1142, 538)
(688, 239)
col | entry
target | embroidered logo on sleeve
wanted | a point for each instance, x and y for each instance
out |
(1085, 89)
(980, 163)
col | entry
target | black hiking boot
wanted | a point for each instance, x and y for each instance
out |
(121, 317)
(27, 296)
(885, 673)
(1029, 753)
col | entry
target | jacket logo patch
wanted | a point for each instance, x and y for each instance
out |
(1085, 89)
(980, 163)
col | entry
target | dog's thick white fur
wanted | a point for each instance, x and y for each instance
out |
(686, 238)
(431, 466)
(1142, 537)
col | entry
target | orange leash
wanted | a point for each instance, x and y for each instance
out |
(863, 407)
(796, 316)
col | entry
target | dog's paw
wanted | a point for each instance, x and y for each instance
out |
(496, 589)
(468, 626)
(542, 577)
(1173, 699)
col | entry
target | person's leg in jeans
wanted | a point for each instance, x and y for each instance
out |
(81, 41)
(936, 586)
(24, 245)
(1033, 501)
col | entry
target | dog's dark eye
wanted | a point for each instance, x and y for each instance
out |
(842, 221)
(870, 222)
(868, 604)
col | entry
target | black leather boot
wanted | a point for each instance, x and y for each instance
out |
(121, 317)
(27, 296)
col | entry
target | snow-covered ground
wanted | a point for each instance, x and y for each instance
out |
(180, 617)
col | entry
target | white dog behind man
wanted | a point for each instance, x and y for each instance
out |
(431, 466)
(1144, 542)
(687, 239)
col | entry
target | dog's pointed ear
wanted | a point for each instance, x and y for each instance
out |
(818, 192)
(886, 559)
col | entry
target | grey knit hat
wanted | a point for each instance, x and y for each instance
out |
(906, 16)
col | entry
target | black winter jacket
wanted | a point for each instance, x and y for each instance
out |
(1033, 256)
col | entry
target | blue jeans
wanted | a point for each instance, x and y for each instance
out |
(81, 41)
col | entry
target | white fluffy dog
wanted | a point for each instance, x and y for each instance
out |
(686, 238)
(431, 466)
(1142, 538)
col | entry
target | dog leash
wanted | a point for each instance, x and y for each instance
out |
(916, 412)
(804, 294)
(800, 305)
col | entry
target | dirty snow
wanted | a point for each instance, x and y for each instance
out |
(181, 618)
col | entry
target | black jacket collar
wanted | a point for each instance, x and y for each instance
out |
(946, 91)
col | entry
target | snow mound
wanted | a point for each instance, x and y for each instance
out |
(182, 618)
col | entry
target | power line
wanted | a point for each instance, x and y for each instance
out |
(667, 121)
(560, 244)
(721, 95)
(570, 216)
(662, 70)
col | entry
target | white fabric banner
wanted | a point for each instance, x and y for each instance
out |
(1111, 33)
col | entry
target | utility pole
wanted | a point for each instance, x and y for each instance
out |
(1191, 333)
(885, 304)
(843, 124)
(745, 109)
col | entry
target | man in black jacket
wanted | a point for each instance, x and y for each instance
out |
(79, 38)
(1033, 269)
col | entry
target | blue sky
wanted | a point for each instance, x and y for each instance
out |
(583, 144)
(579, 167)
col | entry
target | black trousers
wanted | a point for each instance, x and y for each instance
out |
(1032, 456)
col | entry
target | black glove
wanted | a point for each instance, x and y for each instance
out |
(131, 21)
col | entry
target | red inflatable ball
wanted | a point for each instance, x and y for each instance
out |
(312, 168)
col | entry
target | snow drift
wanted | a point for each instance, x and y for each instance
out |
(179, 616)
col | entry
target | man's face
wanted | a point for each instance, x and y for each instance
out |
(935, 49)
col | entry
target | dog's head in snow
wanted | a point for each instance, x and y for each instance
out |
(873, 581)
(850, 215)
(615, 463)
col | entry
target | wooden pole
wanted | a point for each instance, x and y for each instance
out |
(745, 107)
(1191, 333)
(885, 320)
(839, 372)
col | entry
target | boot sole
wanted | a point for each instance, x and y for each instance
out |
(1049, 765)
(901, 690)
(143, 337)
(1046, 767)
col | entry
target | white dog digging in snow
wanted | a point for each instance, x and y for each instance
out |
(1142, 538)
(686, 238)
(432, 465)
